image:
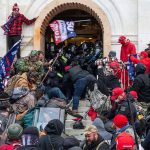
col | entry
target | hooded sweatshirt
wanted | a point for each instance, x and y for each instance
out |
(127, 49)
(101, 129)
(141, 84)
(53, 139)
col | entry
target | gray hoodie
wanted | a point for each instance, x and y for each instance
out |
(101, 129)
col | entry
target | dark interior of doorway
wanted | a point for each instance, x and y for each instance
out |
(87, 31)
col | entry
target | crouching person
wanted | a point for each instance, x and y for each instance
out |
(94, 141)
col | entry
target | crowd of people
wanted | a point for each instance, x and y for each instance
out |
(64, 80)
(123, 125)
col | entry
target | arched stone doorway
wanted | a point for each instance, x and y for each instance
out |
(57, 6)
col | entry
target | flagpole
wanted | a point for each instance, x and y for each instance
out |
(83, 20)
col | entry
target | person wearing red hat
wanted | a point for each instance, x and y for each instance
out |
(125, 141)
(120, 104)
(13, 27)
(114, 65)
(127, 48)
(134, 94)
(121, 124)
(80, 79)
(143, 59)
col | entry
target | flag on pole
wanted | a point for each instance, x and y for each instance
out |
(62, 30)
(131, 68)
(7, 60)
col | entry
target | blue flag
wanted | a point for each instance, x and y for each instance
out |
(7, 60)
(131, 68)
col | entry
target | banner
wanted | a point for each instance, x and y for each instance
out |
(62, 30)
(7, 60)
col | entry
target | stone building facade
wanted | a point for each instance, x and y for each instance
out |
(116, 17)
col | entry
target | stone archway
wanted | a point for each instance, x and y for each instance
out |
(57, 6)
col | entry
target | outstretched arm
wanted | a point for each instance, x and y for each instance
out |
(27, 21)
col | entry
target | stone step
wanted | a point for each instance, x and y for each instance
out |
(78, 133)
(84, 103)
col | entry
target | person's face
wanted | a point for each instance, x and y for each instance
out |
(33, 58)
(90, 137)
(141, 57)
(41, 57)
(16, 12)
(122, 41)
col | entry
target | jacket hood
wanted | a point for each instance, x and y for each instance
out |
(101, 129)
(54, 126)
(140, 68)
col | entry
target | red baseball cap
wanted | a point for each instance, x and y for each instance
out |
(134, 94)
(144, 54)
(124, 141)
(67, 68)
(120, 120)
(116, 92)
(121, 38)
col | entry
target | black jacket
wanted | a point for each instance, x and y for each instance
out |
(123, 108)
(141, 85)
(100, 144)
(76, 73)
(29, 147)
(146, 143)
(53, 139)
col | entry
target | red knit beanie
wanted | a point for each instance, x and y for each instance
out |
(15, 7)
(120, 120)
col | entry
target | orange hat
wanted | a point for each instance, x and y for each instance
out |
(120, 120)
(124, 141)
(15, 7)
(134, 94)
(121, 38)
(116, 92)
(144, 54)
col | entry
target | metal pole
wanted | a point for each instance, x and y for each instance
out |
(87, 20)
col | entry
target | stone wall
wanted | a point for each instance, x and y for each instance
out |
(121, 17)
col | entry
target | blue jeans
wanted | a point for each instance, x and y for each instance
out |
(79, 87)
(55, 92)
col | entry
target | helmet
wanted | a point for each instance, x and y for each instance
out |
(21, 65)
(14, 131)
(34, 53)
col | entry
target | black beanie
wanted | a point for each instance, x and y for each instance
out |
(31, 130)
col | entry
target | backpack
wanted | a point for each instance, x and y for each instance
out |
(11, 84)
(98, 100)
